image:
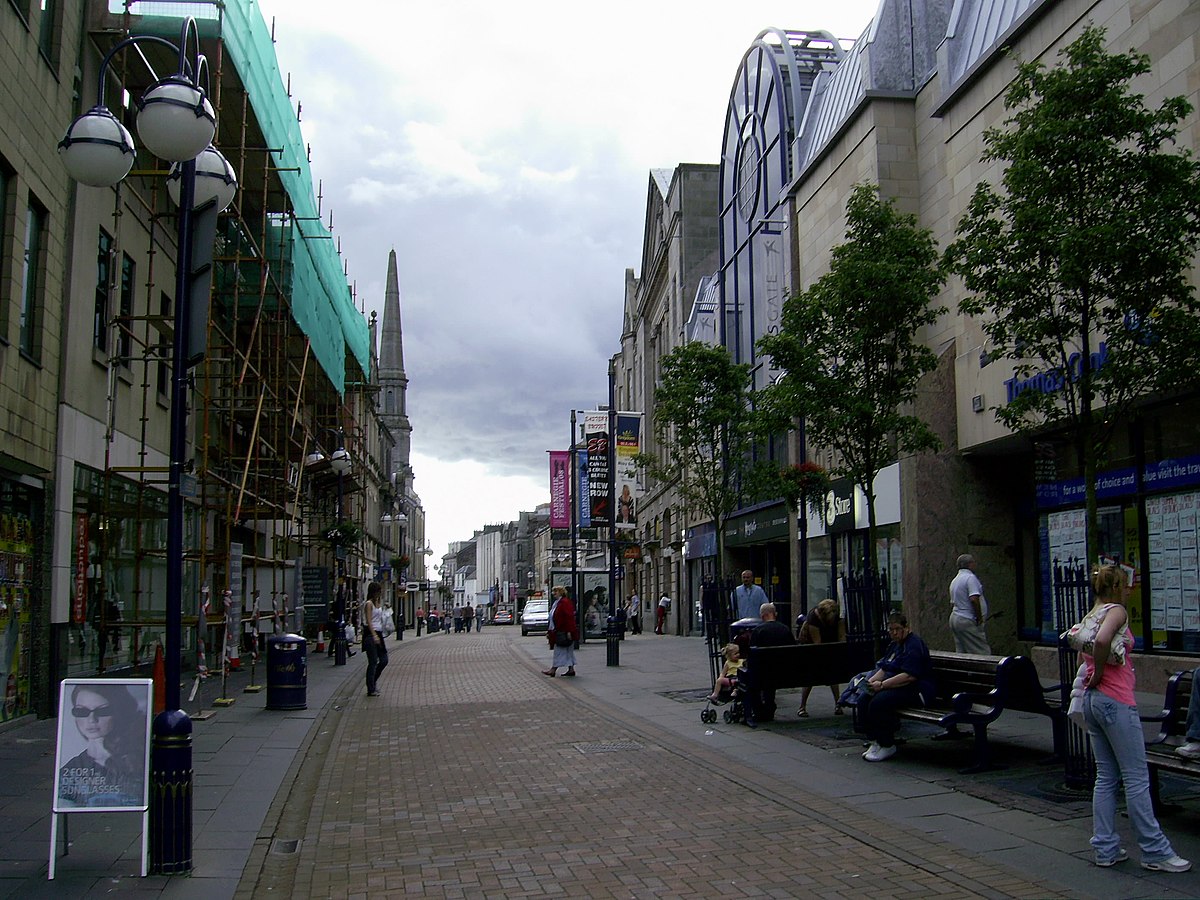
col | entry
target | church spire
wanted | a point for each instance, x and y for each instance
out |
(393, 383)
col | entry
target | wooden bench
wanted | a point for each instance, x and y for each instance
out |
(1160, 750)
(803, 665)
(974, 690)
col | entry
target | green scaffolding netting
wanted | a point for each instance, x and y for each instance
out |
(321, 302)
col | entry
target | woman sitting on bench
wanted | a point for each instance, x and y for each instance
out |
(904, 677)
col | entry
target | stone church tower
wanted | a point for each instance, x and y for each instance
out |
(393, 383)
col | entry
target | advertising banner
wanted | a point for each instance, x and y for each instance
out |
(560, 516)
(627, 443)
(79, 601)
(595, 433)
(584, 488)
(102, 757)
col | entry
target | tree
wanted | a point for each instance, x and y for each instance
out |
(701, 423)
(848, 346)
(1079, 265)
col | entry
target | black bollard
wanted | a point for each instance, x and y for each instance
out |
(171, 793)
(614, 642)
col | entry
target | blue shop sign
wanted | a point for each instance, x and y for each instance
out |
(1165, 475)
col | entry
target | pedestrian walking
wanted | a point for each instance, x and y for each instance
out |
(420, 619)
(1110, 711)
(468, 617)
(373, 640)
(748, 597)
(635, 613)
(562, 633)
(968, 610)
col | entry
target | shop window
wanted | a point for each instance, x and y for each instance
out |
(33, 282)
(104, 244)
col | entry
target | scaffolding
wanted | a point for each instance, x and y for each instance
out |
(288, 366)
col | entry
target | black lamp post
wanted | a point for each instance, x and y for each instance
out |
(176, 123)
(339, 461)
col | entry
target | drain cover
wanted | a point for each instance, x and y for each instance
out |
(608, 746)
(284, 848)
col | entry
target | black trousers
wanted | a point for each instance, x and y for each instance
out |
(878, 711)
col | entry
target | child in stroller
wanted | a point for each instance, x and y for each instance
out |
(726, 689)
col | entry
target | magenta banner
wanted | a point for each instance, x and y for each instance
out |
(560, 479)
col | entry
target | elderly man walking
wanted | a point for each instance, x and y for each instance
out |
(968, 609)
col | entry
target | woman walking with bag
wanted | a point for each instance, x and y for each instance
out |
(1110, 711)
(562, 633)
(373, 641)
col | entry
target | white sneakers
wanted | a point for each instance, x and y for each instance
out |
(1174, 864)
(875, 753)
(1191, 749)
(1122, 855)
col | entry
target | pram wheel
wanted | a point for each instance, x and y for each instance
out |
(730, 718)
(708, 716)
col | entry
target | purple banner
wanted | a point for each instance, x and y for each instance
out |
(560, 480)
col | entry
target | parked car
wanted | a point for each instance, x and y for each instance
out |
(535, 617)
(503, 616)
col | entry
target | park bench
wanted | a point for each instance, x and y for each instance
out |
(974, 690)
(1160, 750)
(804, 665)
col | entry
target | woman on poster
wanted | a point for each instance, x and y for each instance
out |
(110, 771)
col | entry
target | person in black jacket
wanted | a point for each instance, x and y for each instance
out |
(771, 633)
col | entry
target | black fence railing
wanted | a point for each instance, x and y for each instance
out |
(1072, 600)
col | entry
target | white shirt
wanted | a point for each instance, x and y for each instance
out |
(965, 586)
(664, 601)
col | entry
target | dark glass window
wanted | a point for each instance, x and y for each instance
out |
(125, 333)
(103, 277)
(32, 281)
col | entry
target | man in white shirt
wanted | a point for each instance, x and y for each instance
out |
(968, 609)
(748, 597)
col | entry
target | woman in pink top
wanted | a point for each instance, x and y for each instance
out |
(1110, 710)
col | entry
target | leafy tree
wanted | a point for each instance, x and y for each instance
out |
(1079, 265)
(848, 346)
(701, 423)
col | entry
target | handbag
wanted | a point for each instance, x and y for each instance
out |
(1081, 636)
(563, 639)
(389, 624)
(856, 689)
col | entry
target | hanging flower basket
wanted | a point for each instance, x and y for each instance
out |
(400, 562)
(343, 534)
(806, 483)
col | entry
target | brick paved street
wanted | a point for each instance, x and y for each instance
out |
(473, 775)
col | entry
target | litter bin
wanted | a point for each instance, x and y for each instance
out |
(287, 672)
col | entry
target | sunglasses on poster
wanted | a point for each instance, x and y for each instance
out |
(83, 712)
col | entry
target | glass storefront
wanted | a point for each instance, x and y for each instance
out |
(18, 529)
(118, 584)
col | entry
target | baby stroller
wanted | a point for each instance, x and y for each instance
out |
(733, 713)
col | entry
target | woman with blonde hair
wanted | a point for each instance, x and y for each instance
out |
(1110, 711)
(824, 625)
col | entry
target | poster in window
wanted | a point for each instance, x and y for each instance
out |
(102, 759)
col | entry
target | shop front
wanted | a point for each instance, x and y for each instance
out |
(757, 539)
(21, 558)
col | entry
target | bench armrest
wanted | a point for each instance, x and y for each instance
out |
(964, 700)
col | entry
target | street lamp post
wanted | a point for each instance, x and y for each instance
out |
(177, 124)
(339, 461)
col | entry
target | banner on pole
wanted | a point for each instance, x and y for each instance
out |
(627, 443)
(560, 516)
(595, 433)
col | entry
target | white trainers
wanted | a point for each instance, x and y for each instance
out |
(879, 754)
(1122, 855)
(874, 748)
(1174, 864)
(1191, 749)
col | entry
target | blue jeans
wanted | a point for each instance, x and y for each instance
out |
(377, 658)
(1120, 750)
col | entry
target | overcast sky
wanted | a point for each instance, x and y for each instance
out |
(503, 150)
